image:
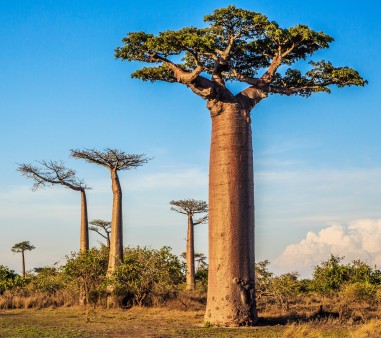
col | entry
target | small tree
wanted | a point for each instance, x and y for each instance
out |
(190, 207)
(102, 228)
(55, 173)
(114, 160)
(22, 247)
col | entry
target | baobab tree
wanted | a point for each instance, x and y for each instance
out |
(199, 258)
(22, 247)
(114, 160)
(237, 46)
(190, 207)
(102, 228)
(55, 173)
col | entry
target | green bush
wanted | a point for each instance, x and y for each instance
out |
(330, 276)
(48, 280)
(10, 280)
(148, 276)
(359, 291)
(86, 271)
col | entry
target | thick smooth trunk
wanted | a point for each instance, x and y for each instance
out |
(23, 264)
(116, 243)
(231, 295)
(190, 270)
(84, 236)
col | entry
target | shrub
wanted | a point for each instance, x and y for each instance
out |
(48, 280)
(330, 275)
(87, 271)
(10, 280)
(148, 276)
(359, 291)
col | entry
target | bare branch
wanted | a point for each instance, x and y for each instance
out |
(189, 206)
(112, 159)
(52, 173)
(201, 220)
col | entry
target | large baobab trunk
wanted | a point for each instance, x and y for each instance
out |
(190, 270)
(84, 236)
(231, 296)
(116, 245)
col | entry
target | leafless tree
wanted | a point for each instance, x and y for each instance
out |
(114, 160)
(22, 247)
(102, 228)
(55, 173)
(190, 207)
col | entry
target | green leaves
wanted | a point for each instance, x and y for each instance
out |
(322, 75)
(148, 275)
(163, 73)
(237, 45)
(233, 21)
(22, 246)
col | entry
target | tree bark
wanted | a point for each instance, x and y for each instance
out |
(231, 289)
(84, 236)
(23, 264)
(190, 270)
(116, 244)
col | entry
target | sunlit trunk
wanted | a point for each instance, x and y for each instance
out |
(116, 243)
(190, 270)
(84, 236)
(231, 295)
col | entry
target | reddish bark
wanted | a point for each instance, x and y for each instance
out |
(231, 296)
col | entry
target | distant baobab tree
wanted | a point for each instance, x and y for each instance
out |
(114, 160)
(190, 207)
(102, 228)
(21, 248)
(199, 258)
(55, 173)
(235, 46)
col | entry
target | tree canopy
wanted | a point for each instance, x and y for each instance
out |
(22, 246)
(237, 45)
(113, 159)
(101, 227)
(52, 172)
(190, 207)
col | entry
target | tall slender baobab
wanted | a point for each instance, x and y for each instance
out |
(22, 247)
(55, 173)
(237, 45)
(102, 228)
(190, 207)
(114, 160)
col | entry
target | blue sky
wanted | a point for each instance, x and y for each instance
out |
(317, 160)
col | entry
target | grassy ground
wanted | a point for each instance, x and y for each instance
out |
(155, 322)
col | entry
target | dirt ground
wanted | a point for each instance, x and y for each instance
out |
(141, 322)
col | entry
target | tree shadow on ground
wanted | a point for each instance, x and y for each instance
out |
(297, 318)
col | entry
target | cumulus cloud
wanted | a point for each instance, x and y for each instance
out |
(360, 239)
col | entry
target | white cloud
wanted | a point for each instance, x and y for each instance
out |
(360, 239)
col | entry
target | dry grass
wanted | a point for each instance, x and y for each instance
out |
(41, 315)
(372, 329)
(159, 322)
